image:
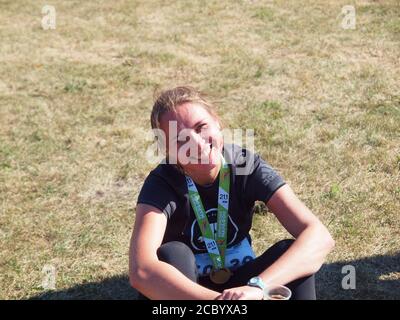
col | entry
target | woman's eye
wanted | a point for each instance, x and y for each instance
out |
(201, 127)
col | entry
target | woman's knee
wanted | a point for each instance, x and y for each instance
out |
(303, 288)
(181, 257)
(173, 250)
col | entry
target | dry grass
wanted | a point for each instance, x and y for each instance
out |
(75, 103)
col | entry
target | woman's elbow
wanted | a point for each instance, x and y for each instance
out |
(329, 242)
(137, 275)
(323, 239)
(325, 245)
(133, 277)
(133, 280)
(141, 272)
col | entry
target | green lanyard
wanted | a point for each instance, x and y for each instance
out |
(215, 247)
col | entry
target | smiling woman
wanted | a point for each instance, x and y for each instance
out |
(194, 214)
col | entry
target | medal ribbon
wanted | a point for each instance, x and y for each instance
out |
(215, 247)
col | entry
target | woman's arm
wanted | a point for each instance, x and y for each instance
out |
(313, 241)
(152, 277)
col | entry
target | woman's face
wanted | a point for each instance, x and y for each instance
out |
(193, 138)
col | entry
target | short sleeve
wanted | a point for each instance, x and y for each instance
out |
(262, 182)
(156, 192)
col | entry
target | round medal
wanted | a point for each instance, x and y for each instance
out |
(220, 276)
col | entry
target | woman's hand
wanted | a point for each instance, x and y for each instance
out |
(241, 293)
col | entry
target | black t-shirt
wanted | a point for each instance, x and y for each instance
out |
(165, 188)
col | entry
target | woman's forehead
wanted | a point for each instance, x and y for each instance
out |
(186, 115)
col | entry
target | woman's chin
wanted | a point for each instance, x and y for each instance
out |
(201, 166)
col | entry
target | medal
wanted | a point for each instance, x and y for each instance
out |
(220, 276)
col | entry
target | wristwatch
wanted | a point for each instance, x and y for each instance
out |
(256, 282)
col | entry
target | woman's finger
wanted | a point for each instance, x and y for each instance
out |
(237, 295)
(227, 295)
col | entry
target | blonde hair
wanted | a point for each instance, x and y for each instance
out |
(169, 100)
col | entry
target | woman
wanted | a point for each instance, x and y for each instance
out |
(193, 217)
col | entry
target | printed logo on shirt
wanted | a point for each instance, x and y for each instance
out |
(196, 237)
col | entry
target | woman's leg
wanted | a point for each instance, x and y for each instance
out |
(180, 256)
(302, 289)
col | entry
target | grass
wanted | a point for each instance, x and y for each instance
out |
(75, 105)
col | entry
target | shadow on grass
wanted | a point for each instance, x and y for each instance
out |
(374, 280)
(114, 288)
(377, 277)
